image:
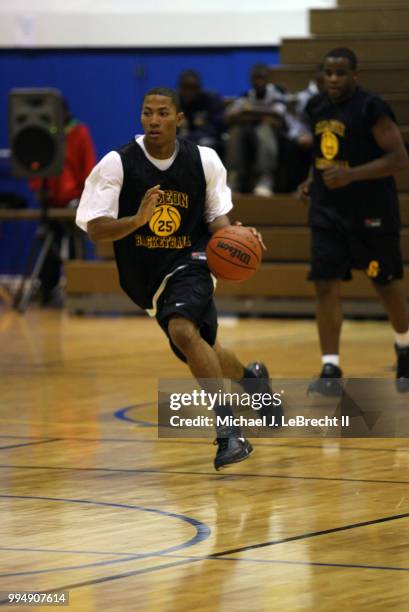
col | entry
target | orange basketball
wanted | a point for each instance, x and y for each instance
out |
(233, 253)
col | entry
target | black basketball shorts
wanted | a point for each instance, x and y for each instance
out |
(189, 294)
(334, 252)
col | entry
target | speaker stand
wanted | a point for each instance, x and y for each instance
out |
(42, 244)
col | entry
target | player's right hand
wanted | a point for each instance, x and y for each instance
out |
(255, 233)
(148, 205)
(304, 191)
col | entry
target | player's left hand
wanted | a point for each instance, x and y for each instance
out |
(336, 177)
(255, 233)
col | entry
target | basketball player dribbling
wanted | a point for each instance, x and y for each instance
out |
(158, 199)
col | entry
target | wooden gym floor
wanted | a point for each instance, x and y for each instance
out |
(93, 503)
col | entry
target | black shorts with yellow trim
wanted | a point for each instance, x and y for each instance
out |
(335, 252)
(189, 294)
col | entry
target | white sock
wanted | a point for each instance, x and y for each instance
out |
(402, 339)
(334, 359)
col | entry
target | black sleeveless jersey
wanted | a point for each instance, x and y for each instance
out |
(343, 137)
(176, 229)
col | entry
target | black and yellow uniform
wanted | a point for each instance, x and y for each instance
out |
(176, 228)
(356, 226)
(162, 265)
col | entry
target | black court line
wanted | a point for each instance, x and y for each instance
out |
(222, 554)
(223, 476)
(274, 444)
(312, 534)
(188, 560)
(30, 443)
(288, 562)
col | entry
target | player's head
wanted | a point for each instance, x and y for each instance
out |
(189, 86)
(340, 72)
(259, 77)
(161, 115)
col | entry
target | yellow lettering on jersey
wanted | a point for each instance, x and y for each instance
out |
(322, 164)
(330, 125)
(163, 242)
(373, 269)
(175, 198)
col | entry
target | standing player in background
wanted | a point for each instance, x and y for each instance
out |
(158, 199)
(64, 191)
(354, 214)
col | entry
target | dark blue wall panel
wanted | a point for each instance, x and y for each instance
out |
(105, 90)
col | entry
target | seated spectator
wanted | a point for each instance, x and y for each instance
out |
(64, 191)
(300, 99)
(256, 120)
(204, 113)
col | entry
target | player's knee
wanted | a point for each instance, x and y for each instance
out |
(218, 349)
(182, 333)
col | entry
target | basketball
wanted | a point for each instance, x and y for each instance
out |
(233, 253)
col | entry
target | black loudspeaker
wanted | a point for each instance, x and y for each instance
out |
(36, 131)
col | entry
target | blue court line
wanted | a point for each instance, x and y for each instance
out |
(202, 533)
(188, 561)
(222, 554)
(287, 562)
(122, 415)
(132, 555)
(225, 476)
(47, 441)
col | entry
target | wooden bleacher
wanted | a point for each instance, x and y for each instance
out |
(279, 287)
(378, 31)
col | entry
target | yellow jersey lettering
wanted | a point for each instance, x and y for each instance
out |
(322, 164)
(163, 242)
(373, 269)
(175, 198)
(330, 126)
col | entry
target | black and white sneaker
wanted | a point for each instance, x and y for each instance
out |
(272, 413)
(402, 369)
(260, 371)
(232, 448)
(329, 382)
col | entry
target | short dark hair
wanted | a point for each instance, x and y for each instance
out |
(344, 52)
(167, 93)
(259, 68)
(190, 74)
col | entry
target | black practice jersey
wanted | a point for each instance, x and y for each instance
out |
(177, 227)
(343, 137)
